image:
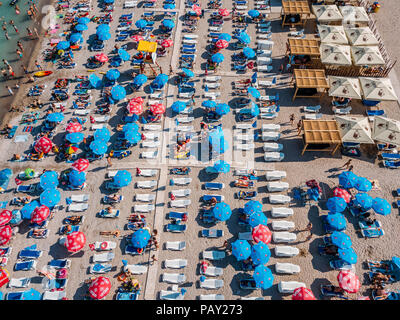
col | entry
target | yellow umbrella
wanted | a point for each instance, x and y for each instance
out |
(361, 36)
(377, 89)
(332, 34)
(344, 87)
(367, 56)
(386, 130)
(335, 54)
(353, 15)
(354, 129)
(327, 13)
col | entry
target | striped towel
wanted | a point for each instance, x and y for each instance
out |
(27, 129)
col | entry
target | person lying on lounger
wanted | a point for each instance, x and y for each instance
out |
(38, 232)
(74, 220)
(385, 266)
(334, 289)
(379, 277)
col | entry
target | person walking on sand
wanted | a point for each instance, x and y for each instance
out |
(38, 66)
(109, 163)
(291, 119)
(350, 168)
(24, 69)
(299, 124)
(36, 32)
(11, 71)
(11, 93)
(19, 44)
(29, 31)
(14, 26)
(4, 73)
(347, 164)
(19, 53)
(153, 259)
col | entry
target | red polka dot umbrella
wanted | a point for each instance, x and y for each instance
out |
(74, 127)
(40, 214)
(81, 164)
(137, 100)
(222, 44)
(100, 288)
(137, 38)
(75, 241)
(44, 145)
(223, 12)
(101, 57)
(341, 193)
(167, 43)
(262, 233)
(5, 217)
(5, 234)
(302, 293)
(196, 9)
(348, 281)
(134, 107)
(157, 108)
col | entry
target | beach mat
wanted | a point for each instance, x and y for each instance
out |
(21, 138)
(27, 129)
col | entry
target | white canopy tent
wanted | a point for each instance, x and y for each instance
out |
(332, 34)
(386, 130)
(367, 56)
(344, 87)
(361, 36)
(377, 89)
(354, 15)
(335, 54)
(327, 13)
(354, 129)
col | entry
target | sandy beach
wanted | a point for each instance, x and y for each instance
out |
(323, 167)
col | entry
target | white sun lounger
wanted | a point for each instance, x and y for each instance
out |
(212, 95)
(262, 61)
(78, 207)
(111, 173)
(241, 8)
(185, 95)
(279, 198)
(211, 284)
(19, 282)
(281, 212)
(244, 147)
(244, 126)
(241, 172)
(287, 268)
(175, 263)
(152, 127)
(277, 186)
(289, 286)
(189, 41)
(213, 272)
(102, 119)
(273, 156)
(83, 112)
(271, 127)
(184, 128)
(313, 116)
(264, 44)
(245, 236)
(146, 184)
(185, 119)
(272, 147)
(97, 126)
(150, 144)
(130, 4)
(214, 28)
(214, 85)
(286, 251)
(269, 115)
(275, 175)
(175, 245)
(180, 203)
(284, 237)
(263, 53)
(109, 245)
(266, 84)
(173, 277)
(212, 78)
(212, 297)
(342, 110)
(270, 136)
(147, 197)
(144, 207)
(149, 154)
(181, 193)
(103, 257)
(135, 268)
(79, 197)
(171, 295)
(312, 109)
(187, 110)
(181, 181)
(147, 172)
(264, 68)
(251, 298)
(54, 295)
(245, 137)
(282, 225)
(213, 255)
(190, 36)
(152, 135)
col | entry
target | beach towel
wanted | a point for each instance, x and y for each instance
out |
(3, 204)
(27, 128)
(21, 138)
(17, 181)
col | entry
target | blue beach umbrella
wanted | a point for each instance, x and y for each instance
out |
(17, 217)
(252, 206)
(225, 36)
(63, 45)
(336, 204)
(118, 92)
(222, 211)
(254, 92)
(108, 1)
(102, 134)
(169, 6)
(81, 27)
(141, 23)
(75, 37)
(31, 294)
(253, 13)
(381, 206)
(50, 197)
(103, 27)
(140, 238)
(249, 53)
(244, 37)
(209, 104)
(26, 211)
(102, 36)
(217, 58)
(260, 253)
(140, 80)
(168, 23)
(76, 178)
(364, 200)
(256, 218)
(254, 110)
(341, 240)
(363, 184)
(133, 137)
(396, 263)
(160, 80)
(123, 178)
(55, 117)
(188, 73)
(215, 135)
(75, 137)
(49, 179)
(219, 146)
(241, 249)
(348, 179)
(178, 106)
(98, 147)
(337, 221)
(83, 20)
(263, 277)
(124, 54)
(222, 109)
(348, 255)
(95, 81)
(130, 127)
(221, 166)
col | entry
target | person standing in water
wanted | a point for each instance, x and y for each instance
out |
(19, 44)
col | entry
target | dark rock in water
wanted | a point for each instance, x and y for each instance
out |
(12, 2)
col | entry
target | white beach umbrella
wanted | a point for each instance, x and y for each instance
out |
(377, 89)
(386, 130)
(332, 34)
(352, 15)
(367, 56)
(344, 87)
(361, 36)
(354, 129)
(335, 54)
(327, 13)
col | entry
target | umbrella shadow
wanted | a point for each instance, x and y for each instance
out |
(207, 177)
(315, 286)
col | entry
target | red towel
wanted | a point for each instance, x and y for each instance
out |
(17, 181)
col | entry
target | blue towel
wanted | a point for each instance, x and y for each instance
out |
(3, 204)
(68, 200)
(32, 247)
(254, 125)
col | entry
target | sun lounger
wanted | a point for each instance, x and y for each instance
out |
(264, 68)
(241, 8)
(212, 78)
(100, 268)
(180, 203)
(106, 214)
(175, 245)
(289, 286)
(150, 144)
(212, 95)
(287, 268)
(214, 85)
(212, 271)
(152, 127)
(146, 184)
(55, 284)
(180, 181)
(339, 264)
(284, 237)
(212, 233)
(19, 282)
(213, 255)
(59, 263)
(281, 212)
(25, 265)
(148, 197)
(208, 197)
(177, 215)
(363, 225)
(269, 115)
(390, 156)
(342, 110)
(277, 186)
(244, 147)
(175, 263)
(282, 225)
(270, 127)
(211, 283)
(245, 236)
(5, 251)
(29, 254)
(270, 136)
(130, 4)
(372, 232)
(26, 189)
(105, 245)
(286, 251)
(181, 193)
(135, 268)
(391, 164)
(184, 128)
(279, 198)
(173, 227)
(275, 175)
(314, 116)
(79, 197)
(54, 295)
(144, 207)
(312, 109)
(78, 207)
(149, 155)
(103, 257)
(173, 277)
(214, 186)
(102, 119)
(212, 297)
(273, 156)
(147, 172)
(171, 295)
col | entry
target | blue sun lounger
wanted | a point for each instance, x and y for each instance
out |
(208, 197)
(59, 263)
(25, 265)
(100, 268)
(29, 254)
(391, 278)
(14, 295)
(12, 132)
(127, 296)
(177, 215)
(339, 264)
(73, 229)
(55, 284)
(208, 217)
(212, 233)
(390, 296)
(390, 156)
(328, 293)
(26, 189)
(372, 232)
(391, 164)
(131, 250)
(213, 185)
(171, 227)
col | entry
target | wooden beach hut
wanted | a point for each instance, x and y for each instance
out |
(309, 83)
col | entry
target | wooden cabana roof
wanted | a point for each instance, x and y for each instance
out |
(310, 78)
(295, 7)
(304, 47)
